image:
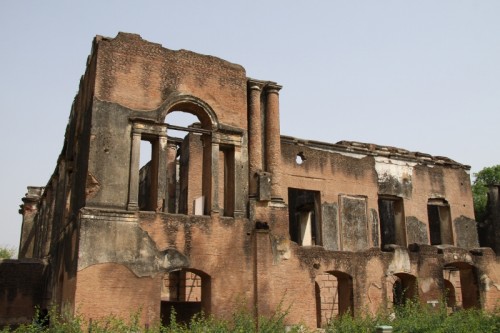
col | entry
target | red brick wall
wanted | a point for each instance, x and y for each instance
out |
(112, 289)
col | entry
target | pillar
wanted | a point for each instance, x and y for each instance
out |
(171, 178)
(161, 175)
(210, 176)
(255, 134)
(273, 139)
(133, 190)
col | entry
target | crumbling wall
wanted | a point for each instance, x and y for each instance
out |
(112, 241)
(355, 170)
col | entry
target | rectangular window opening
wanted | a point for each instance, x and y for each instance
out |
(438, 212)
(304, 217)
(392, 221)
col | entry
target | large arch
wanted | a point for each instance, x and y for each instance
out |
(191, 104)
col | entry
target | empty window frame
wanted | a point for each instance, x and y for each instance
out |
(392, 221)
(440, 231)
(304, 217)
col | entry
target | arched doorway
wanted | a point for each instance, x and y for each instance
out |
(462, 277)
(334, 296)
(187, 292)
(404, 288)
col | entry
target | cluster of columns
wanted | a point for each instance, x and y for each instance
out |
(162, 193)
(264, 136)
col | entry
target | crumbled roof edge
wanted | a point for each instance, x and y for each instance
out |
(124, 36)
(355, 147)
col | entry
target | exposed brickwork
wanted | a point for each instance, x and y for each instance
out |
(121, 239)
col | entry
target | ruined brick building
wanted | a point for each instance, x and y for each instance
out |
(234, 212)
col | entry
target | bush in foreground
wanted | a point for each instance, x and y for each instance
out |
(412, 317)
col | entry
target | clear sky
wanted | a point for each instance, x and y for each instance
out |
(422, 75)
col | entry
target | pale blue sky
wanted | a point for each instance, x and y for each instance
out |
(421, 75)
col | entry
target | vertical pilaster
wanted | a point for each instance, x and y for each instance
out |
(133, 190)
(255, 134)
(273, 141)
(263, 281)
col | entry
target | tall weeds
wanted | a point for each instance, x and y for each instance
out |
(411, 317)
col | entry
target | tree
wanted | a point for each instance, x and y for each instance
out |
(7, 252)
(487, 176)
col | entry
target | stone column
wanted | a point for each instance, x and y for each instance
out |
(171, 178)
(254, 134)
(214, 189)
(273, 140)
(210, 176)
(161, 198)
(133, 190)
